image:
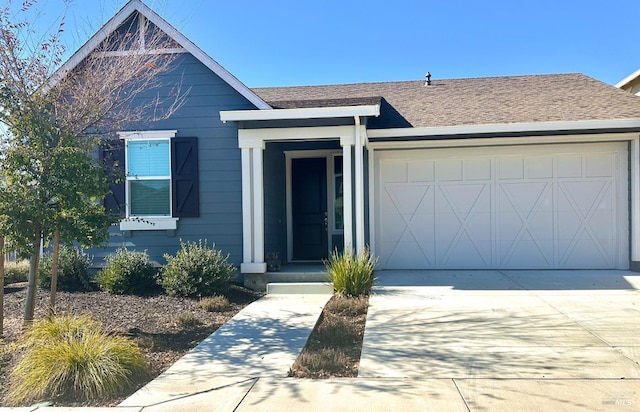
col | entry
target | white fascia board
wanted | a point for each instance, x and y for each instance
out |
(628, 79)
(304, 113)
(505, 128)
(255, 138)
(501, 141)
(137, 5)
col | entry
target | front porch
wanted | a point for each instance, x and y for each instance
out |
(269, 173)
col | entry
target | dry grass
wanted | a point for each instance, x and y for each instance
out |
(330, 361)
(333, 349)
(214, 304)
(345, 306)
(188, 320)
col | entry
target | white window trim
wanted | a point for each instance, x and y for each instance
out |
(148, 222)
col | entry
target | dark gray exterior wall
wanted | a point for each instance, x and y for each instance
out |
(275, 203)
(275, 180)
(220, 219)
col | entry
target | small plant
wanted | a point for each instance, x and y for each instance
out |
(128, 273)
(215, 303)
(15, 272)
(73, 358)
(188, 320)
(73, 270)
(273, 261)
(351, 273)
(324, 362)
(196, 271)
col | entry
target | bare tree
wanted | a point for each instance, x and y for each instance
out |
(54, 114)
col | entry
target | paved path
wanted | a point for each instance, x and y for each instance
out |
(263, 340)
(434, 341)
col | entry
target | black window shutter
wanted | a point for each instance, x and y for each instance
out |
(184, 177)
(113, 157)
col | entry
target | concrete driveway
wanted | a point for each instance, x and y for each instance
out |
(508, 334)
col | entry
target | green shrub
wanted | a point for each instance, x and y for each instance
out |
(215, 303)
(73, 270)
(73, 358)
(351, 273)
(196, 270)
(15, 272)
(128, 272)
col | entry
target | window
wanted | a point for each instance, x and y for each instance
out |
(161, 182)
(148, 169)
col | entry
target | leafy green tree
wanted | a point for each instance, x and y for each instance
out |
(53, 117)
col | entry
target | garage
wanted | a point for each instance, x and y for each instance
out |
(561, 206)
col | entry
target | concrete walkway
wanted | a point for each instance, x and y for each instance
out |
(262, 340)
(434, 341)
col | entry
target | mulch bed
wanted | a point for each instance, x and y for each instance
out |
(334, 347)
(152, 321)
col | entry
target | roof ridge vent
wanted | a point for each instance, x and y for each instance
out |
(428, 76)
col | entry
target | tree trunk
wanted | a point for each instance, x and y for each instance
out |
(1, 285)
(54, 271)
(33, 273)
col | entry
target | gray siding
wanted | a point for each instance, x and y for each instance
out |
(220, 219)
(275, 230)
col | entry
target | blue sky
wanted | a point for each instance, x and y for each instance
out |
(295, 42)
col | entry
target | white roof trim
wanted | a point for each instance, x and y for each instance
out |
(505, 128)
(628, 79)
(137, 5)
(304, 113)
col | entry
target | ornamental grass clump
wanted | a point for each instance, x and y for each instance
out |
(73, 359)
(351, 273)
(196, 271)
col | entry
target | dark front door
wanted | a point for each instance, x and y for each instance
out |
(309, 208)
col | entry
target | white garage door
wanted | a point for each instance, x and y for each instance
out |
(524, 207)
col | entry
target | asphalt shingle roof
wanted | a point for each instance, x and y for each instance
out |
(472, 101)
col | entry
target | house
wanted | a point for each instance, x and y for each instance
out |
(631, 83)
(523, 172)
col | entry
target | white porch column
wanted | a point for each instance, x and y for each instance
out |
(252, 208)
(347, 202)
(635, 199)
(247, 207)
(359, 186)
(258, 207)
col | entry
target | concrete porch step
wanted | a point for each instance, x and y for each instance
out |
(310, 288)
(260, 281)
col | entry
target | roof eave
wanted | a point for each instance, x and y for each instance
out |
(137, 5)
(297, 114)
(508, 128)
(628, 79)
